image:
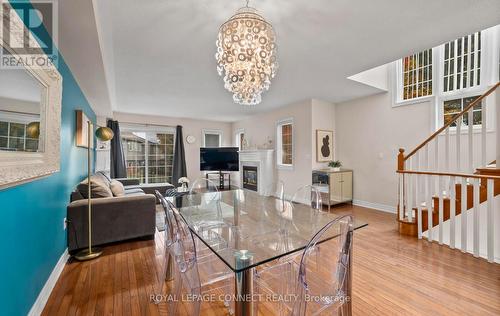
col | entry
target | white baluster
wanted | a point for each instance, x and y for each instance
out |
(436, 154)
(463, 212)
(453, 197)
(401, 196)
(428, 195)
(470, 167)
(436, 165)
(458, 136)
(406, 192)
(483, 134)
(416, 187)
(419, 208)
(410, 202)
(475, 231)
(441, 210)
(497, 129)
(426, 157)
(490, 227)
(447, 149)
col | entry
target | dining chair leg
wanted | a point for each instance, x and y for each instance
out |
(196, 292)
(176, 291)
(166, 274)
(346, 308)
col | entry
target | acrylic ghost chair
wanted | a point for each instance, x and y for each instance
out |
(197, 276)
(320, 286)
(308, 195)
(284, 211)
(165, 265)
(204, 203)
(278, 210)
(170, 236)
(204, 212)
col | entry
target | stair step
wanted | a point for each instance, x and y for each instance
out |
(407, 221)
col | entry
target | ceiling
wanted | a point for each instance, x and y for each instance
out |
(18, 84)
(157, 56)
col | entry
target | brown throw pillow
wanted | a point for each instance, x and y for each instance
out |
(98, 188)
(117, 188)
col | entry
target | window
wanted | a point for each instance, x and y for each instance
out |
(453, 107)
(285, 143)
(416, 75)
(239, 138)
(148, 153)
(212, 138)
(13, 135)
(465, 68)
(462, 63)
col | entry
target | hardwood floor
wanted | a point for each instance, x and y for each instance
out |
(392, 275)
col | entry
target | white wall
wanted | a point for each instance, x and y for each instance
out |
(322, 117)
(189, 127)
(369, 133)
(263, 126)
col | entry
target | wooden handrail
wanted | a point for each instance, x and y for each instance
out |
(450, 174)
(474, 103)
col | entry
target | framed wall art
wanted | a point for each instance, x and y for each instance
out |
(324, 145)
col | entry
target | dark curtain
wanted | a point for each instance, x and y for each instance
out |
(118, 166)
(179, 166)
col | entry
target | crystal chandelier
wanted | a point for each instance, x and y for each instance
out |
(246, 55)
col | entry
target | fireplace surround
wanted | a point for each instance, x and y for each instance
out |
(257, 170)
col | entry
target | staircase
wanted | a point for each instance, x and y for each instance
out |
(447, 192)
(483, 189)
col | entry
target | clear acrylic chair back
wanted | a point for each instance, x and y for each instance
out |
(325, 275)
(309, 195)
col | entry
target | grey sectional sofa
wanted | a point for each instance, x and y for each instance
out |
(114, 218)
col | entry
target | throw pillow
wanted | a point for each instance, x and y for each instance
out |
(103, 177)
(98, 188)
(117, 188)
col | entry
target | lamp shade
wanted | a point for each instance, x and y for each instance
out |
(104, 133)
(33, 130)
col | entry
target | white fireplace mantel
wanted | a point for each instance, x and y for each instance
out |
(263, 159)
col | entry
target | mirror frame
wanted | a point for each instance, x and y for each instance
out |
(20, 167)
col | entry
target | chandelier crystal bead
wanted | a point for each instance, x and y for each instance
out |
(246, 55)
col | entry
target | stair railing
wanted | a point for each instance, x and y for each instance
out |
(466, 192)
(428, 157)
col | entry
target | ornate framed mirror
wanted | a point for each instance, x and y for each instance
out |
(30, 108)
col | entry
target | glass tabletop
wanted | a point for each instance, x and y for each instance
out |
(245, 229)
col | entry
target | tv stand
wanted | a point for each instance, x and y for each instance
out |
(222, 177)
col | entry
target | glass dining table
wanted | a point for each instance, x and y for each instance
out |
(247, 230)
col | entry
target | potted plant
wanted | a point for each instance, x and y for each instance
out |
(335, 165)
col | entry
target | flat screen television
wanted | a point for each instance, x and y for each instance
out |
(219, 159)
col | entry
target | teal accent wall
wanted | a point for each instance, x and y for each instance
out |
(32, 238)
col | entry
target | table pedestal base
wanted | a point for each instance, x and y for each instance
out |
(244, 305)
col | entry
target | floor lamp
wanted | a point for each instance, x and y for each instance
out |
(103, 134)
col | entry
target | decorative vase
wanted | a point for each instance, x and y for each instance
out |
(184, 187)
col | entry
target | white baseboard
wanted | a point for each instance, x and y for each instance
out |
(43, 297)
(376, 206)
